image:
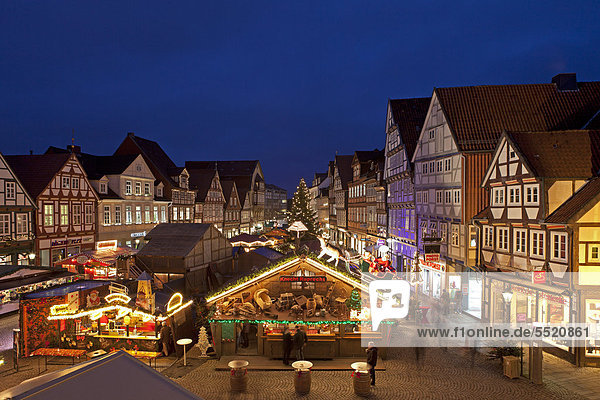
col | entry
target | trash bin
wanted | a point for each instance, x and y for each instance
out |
(510, 366)
(302, 377)
(361, 381)
(238, 378)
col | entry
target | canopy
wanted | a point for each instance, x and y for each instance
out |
(100, 258)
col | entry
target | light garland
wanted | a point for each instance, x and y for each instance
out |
(295, 322)
(117, 297)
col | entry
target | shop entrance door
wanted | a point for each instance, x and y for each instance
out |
(246, 339)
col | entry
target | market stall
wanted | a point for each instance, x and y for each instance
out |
(330, 306)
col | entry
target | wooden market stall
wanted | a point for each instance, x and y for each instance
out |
(332, 308)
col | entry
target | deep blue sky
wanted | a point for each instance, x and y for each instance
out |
(286, 82)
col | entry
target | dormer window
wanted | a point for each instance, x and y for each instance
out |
(159, 191)
(103, 188)
(183, 181)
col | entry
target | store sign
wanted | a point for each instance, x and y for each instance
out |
(65, 242)
(433, 265)
(294, 278)
(538, 277)
(432, 257)
(106, 245)
(82, 259)
(138, 234)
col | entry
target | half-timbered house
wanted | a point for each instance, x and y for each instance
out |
(210, 201)
(233, 209)
(66, 204)
(17, 213)
(461, 130)
(342, 174)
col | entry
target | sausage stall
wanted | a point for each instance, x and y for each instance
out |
(250, 316)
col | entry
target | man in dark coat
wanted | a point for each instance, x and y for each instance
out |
(372, 361)
(300, 340)
(165, 338)
(288, 344)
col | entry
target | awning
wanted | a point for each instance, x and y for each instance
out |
(100, 258)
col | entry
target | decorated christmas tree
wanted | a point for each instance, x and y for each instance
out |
(354, 301)
(203, 343)
(301, 209)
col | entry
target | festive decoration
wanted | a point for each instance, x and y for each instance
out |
(354, 301)
(296, 322)
(301, 209)
(203, 343)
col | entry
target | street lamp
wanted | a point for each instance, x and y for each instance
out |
(507, 296)
(31, 258)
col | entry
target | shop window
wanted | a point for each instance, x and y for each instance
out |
(48, 214)
(174, 213)
(163, 214)
(488, 237)
(181, 213)
(520, 241)
(57, 255)
(537, 243)
(10, 190)
(498, 196)
(559, 246)
(502, 238)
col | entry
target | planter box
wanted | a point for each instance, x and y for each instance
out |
(511, 366)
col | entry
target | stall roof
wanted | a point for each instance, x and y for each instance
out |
(106, 257)
(26, 276)
(64, 289)
(130, 378)
(173, 240)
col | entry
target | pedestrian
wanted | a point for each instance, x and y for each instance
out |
(372, 361)
(288, 344)
(300, 340)
(445, 301)
(165, 338)
(458, 299)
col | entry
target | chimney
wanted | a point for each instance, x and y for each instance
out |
(74, 149)
(130, 134)
(565, 82)
(30, 152)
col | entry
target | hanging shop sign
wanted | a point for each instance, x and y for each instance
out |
(432, 257)
(538, 277)
(106, 245)
(294, 278)
(433, 265)
(138, 234)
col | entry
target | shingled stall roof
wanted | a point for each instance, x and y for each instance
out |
(344, 166)
(173, 240)
(477, 115)
(567, 210)
(36, 171)
(226, 168)
(560, 154)
(200, 180)
(409, 115)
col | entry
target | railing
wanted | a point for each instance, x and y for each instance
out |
(118, 288)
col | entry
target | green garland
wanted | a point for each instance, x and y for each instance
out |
(276, 321)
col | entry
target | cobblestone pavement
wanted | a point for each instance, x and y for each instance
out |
(442, 375)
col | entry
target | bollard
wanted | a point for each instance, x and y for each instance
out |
(361, 380)
(238, 377)
(302, 378)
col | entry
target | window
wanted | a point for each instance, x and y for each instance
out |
(103, 188)
(147, 215)
(443, 231)
(440, 164)
(89, 214)
(181, 213)
(128, 216)
(117, 215)
(4, 224)
(159, 191)
(447, 164)
(10, 190)
(448, 196)
(537, 243)
(531, 194)
(128, 187)
(488, 237)
(138, 214)
(184, 181)
(76, 214)
(559, 246)
(147, 189)
(432, 134)
(74, 183)
(66, 182)
(425, 197)
(455, 235)
(163, 214)
(520, 241)
(48, 214)
(431, 167)
(502, 234)
(425, 168)
(187, 213)
(498, 196)
(138, 188)
(594, 252)
(106, 215)
(514, 195)
(439, 198)
(174, 213)
(456, 196)
(22, 224)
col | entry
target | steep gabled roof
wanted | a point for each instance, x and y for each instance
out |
(560, 154)
(226, 168)
(477, 115)
(36, 171)
(344, 166)
(242, 184)
(567, 210)
(409, 115)
(228, 191)
(200, 180)
(274, 187)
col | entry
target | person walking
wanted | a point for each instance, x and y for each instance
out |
(288, 344)
(445, 298)
(165, 338)
(458, 296)
(300, 340)
(372, 361)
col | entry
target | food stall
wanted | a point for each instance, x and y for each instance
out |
(106, 262)
(250, 316)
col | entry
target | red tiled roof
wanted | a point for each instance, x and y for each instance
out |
(409, 115)
(560, 154)
(477, 115)
(36, 171)
(575, 203)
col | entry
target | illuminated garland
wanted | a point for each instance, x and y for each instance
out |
(276, 321)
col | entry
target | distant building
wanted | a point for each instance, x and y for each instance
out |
(275, 203)
(342, 175)
(319, 193)
(210, 201)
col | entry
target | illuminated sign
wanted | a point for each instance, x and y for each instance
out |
(106, 245)
(538, 277)
(294, 278)
(120, 297)
(138, 234)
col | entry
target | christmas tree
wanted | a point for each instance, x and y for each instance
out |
(354, 302)
(301, 209)
(203, 343)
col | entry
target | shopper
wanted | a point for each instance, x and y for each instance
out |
(445, 301)
(165, 338)
(288, 344)
(300, 340)
(372, 361)
(458, 296)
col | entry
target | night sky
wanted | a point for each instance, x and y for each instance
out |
(286, 82)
